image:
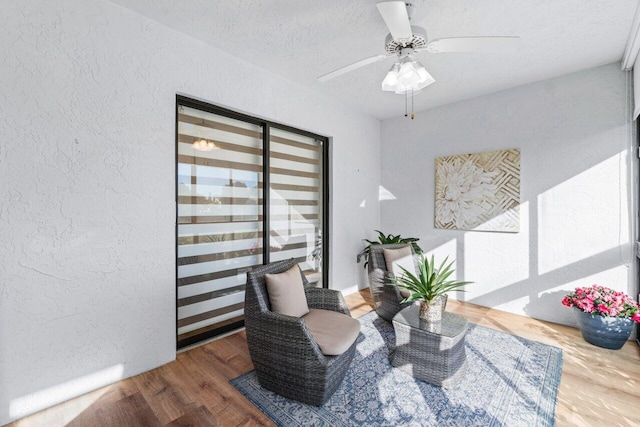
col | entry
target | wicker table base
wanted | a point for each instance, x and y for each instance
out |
(433, 352)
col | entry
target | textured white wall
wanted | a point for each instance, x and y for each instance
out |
(87, 279)
(574, 134)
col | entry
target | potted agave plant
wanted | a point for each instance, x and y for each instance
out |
(430, 286)
(605, 316)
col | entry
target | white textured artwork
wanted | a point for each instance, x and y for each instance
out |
(478, 191)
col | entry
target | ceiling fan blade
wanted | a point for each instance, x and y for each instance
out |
(396, 17)
(474, 44)
(351, 67)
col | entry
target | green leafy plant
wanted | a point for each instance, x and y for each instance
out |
(430, 282)
(316, 254)
(386, 239)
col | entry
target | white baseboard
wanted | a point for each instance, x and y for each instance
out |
(351, 290)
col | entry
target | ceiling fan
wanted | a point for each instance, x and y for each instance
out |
(404, 40)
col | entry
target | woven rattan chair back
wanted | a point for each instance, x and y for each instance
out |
(382, 283)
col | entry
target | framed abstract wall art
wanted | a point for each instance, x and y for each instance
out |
(478, 191)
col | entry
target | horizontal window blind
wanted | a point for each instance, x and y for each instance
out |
(295, 194)
(220, 209)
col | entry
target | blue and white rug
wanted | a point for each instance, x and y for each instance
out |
(510, 381)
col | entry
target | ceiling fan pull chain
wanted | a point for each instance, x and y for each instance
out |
(412, 113)
(406, 112)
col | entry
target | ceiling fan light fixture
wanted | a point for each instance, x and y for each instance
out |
(402, 90)
(390, 82)
(408, 74)
(425, 78)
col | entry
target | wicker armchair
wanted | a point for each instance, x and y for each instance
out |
(384, 291)
(286, 358)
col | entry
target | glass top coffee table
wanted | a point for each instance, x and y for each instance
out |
(433, 352)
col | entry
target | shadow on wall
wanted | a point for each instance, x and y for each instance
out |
(550, 299)
(540, 298)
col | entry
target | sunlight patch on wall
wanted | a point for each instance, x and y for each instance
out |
(38, 400)
(583, 216)
(496, 260)
(384, 194)
(447, 249)
(615, 278)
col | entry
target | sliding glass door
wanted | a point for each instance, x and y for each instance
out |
(295, 200)
(222, 211)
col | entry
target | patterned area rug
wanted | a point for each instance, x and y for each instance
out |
(510, 381)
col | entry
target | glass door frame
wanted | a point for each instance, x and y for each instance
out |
(266, 125)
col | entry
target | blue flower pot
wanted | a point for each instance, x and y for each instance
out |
(606, 332)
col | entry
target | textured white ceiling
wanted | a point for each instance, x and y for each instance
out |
(302, 39)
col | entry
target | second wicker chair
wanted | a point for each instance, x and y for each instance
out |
(386, 294)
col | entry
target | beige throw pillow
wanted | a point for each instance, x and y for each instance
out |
(396, 258)
(286, 293)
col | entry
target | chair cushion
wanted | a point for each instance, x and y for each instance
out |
(334, 332)
(404, 292)
(286, 293)
(396, 258)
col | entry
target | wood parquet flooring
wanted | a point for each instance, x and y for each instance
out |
(598, 387)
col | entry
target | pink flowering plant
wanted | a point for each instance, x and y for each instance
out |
(602, 301)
